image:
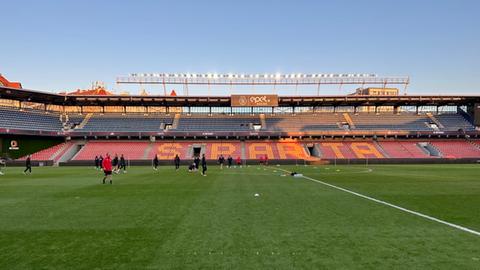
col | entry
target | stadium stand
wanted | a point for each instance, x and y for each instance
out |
(454, 122)
(35, 120)
(336, 150)
(135, 122)
(131, 150)
(168, 150)
(390, 121)
(29, 120)
(52, 153)
(216, 123)
(403, 149)
(125, 123)
(214, 149)
(144, 150)
(365, 150)
(275, 150)
(457, 149)
(75, 120)
(304, 122)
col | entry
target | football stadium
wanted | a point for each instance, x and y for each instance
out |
(373, 178)
(239, 135)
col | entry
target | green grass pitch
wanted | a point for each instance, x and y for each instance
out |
(63, 218)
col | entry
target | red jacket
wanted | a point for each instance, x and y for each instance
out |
(107, 164)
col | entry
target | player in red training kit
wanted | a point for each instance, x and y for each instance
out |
(107, 168)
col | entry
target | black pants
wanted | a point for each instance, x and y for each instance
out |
(28, 168)
(204, 169)
(123, 167)
(177, 166)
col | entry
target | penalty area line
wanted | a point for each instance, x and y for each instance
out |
(458, 227)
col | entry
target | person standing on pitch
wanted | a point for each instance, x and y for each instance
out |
(97, 162)
(115, 164)
(239, 162)
(176, 160)
(28, 165)
(230, 161)
(123, 164)
(107, 169)
(204, 165)
(221, 161)
(155, 162)
(100, 162)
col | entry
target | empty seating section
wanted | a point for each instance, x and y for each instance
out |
(390, 121)
(131, 150)
(457, 149)
(336, 150)
(304, 122)
(454, 122)
(168, 150)
(402, 149)
(75, 119)
(205, 123)
(125, 123)
(215, 149)
(275, 150)
(414, 148)
(62, 151)
(185, 150)
(29, 120)
(52, 153)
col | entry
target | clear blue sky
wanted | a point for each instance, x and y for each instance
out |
(58, 45)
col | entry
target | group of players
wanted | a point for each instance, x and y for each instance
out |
(110, 166)
(221, 161)
(117, 165)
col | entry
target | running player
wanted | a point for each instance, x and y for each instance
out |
(107, 169)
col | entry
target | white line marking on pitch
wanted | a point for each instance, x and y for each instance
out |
(465, 229)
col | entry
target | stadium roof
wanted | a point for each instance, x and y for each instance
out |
(25, 95)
